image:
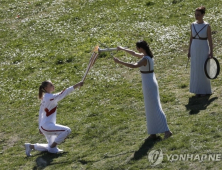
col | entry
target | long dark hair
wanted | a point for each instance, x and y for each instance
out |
(42, 88)
(143, 44)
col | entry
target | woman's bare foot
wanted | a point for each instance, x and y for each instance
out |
(168, 134)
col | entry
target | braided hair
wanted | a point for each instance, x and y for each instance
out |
(143, 44)
(42, 88)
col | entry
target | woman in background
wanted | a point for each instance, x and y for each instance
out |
(200, 48)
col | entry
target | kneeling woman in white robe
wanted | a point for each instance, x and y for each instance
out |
(155, 117)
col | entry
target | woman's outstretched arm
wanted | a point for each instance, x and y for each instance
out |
(142, 62)
(133, 53)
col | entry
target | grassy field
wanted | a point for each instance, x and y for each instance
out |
(52, 40)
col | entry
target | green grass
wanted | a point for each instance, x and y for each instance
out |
(52, 39)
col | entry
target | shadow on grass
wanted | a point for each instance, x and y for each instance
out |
(137, 155)
(45, 159)
(84, 162)
(146, 146)
(196, 104)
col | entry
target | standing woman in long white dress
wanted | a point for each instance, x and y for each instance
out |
(155, 117)
(200, 48)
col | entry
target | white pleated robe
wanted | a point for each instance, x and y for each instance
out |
(199, 83)
(155, 117)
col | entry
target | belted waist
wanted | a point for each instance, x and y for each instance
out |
(200, 38)
(147, 72)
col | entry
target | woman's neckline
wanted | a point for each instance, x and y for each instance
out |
(200, 23)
